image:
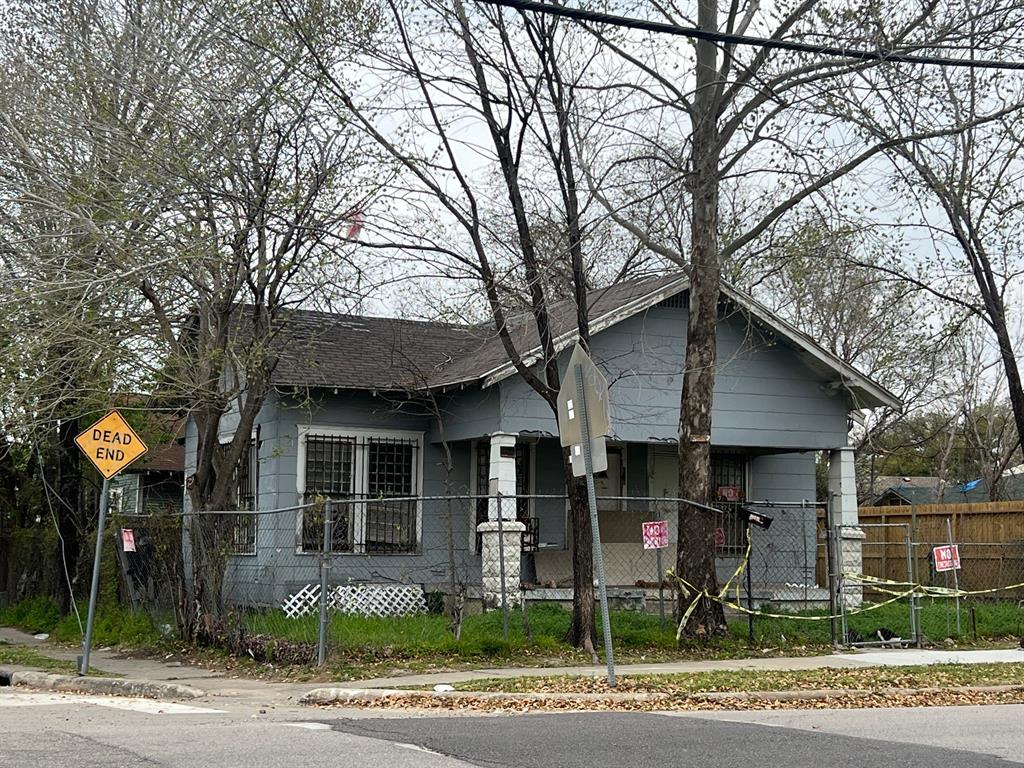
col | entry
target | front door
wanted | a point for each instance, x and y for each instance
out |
(665, 473)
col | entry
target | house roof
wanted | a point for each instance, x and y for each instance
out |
(360, 352)
(357, 352)
(165, 457)
(930, 490)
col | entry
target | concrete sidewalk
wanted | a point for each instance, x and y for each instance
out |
(217, 683)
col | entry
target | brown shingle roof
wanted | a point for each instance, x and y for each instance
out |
(356, 352)
(359, 352)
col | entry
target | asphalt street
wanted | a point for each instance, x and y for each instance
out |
(40, 729)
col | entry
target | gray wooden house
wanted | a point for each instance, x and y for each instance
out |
(366, 408)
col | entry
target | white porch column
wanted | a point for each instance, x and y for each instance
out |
(502, 478)
(500, 551)
(849, 539)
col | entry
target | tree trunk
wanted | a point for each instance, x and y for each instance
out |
(210, 535)
(209, 539)
(582, 630)
(1013, 381)
(696, 537)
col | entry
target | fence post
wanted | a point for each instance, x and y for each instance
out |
(956, 577)
(325, 567)
(830, 566)
(914, 629)
(661, 588)
(750, 587)
(915, 574)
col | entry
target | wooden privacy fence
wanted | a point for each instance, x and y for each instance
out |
(990, 536)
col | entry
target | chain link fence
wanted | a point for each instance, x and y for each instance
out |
(339, 575)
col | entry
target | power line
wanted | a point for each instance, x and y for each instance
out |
(725, 38)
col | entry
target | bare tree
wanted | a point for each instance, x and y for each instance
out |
(475, 92)
(206, 189)
(726, 116)
(962, 189)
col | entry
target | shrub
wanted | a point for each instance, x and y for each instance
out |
(36, 614)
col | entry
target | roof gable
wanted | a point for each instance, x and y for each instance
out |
(610, 306)
(357, 352)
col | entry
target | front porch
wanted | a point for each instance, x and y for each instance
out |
(640, 485)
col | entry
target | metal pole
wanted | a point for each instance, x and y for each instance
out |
(803, 538)
(915, 575)
(588, 464)
(910, 577)
(501, 572)
(661, 589)
(956, 577)
(83, 667)
(830, 563)
(750, 590)
(325, 567)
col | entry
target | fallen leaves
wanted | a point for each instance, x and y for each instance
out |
(696, 703)
(741, 680)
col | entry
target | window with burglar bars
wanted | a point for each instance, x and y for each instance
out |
(483, 485)
(366, 475)
(728, 482)
(247, 474)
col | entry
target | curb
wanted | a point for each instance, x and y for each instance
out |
(109, 686)
(327, 696)
(320, 696)
(824, 694)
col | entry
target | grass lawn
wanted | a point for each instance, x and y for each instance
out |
(367, 645)
(363, 647)
(993, 620)
(21, 656)
(861, 679)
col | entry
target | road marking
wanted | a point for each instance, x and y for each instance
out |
(144, 706)
(309, 726)
(416, 748)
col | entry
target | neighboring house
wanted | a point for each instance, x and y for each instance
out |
(893, 491)
(155, 484)
(363, 407)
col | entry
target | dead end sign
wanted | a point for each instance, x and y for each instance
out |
(111, 444)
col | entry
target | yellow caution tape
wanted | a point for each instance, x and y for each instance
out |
(877, 584)
(925, 589)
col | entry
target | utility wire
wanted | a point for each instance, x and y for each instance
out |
(726, 38)
(60, 537)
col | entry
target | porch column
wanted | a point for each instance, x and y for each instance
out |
(849, 538)
(500, 550)
(502, 480)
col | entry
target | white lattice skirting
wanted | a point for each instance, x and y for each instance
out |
(360, 599)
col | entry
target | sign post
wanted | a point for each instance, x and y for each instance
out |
(111, 445)
(582, 417)
(655, 535)
(955, 558)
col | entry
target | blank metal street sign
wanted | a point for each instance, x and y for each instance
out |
(111, 444)
(598, 457)
(595, 389)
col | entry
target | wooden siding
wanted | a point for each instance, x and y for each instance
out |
(765, 396)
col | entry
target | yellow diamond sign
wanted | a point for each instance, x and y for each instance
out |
(110, 444)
